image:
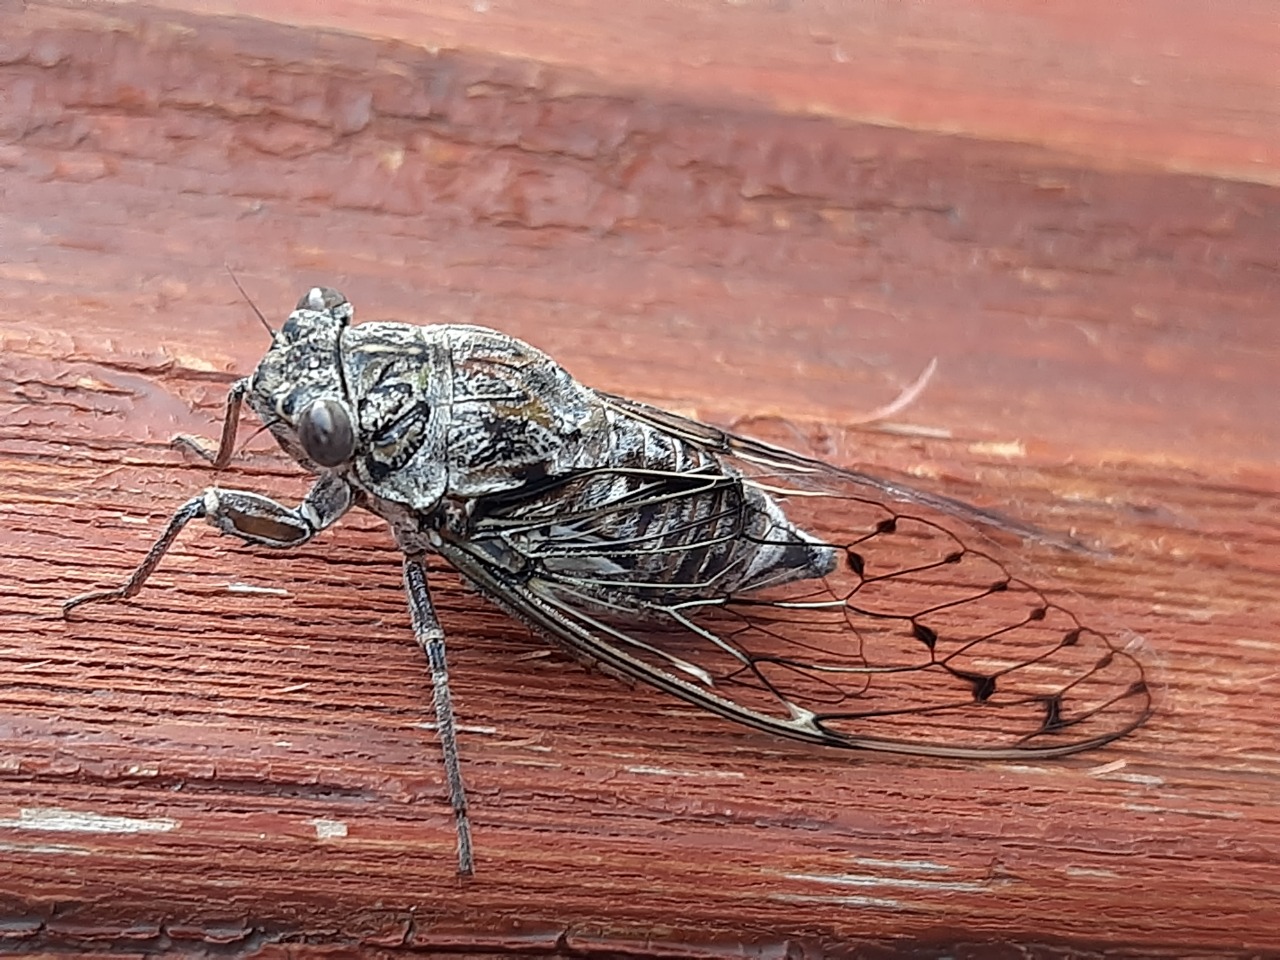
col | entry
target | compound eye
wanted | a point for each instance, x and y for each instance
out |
(324, 430)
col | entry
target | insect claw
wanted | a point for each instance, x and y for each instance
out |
(194, 445)
(92, 597)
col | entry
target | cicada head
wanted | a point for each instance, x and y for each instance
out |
(298, 388)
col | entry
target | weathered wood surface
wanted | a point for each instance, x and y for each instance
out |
(206, 765)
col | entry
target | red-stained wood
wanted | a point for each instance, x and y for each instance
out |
(1186, 85)
(254, 770)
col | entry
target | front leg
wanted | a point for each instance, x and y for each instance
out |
(249, 516)
(230, 422)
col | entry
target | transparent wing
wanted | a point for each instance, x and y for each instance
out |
(806, 470)
(917, 640)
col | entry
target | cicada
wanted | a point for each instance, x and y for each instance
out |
(773, 589)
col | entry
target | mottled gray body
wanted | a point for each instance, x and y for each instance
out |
(450, 417)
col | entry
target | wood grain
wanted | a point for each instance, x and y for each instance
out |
(241, 759)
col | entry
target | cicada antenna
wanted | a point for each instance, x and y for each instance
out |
(253, 306)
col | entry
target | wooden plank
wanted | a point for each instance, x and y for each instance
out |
(1189, 87)
(209, 765)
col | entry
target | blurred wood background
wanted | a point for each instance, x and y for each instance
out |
(761, 214)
